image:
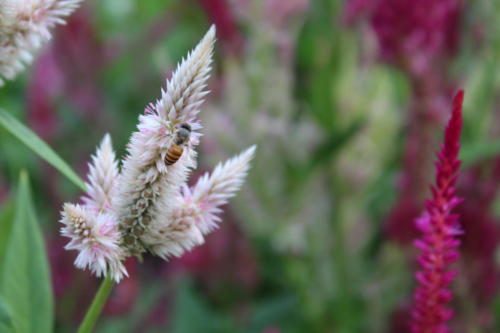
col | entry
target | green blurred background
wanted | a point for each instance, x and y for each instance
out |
(346, 102)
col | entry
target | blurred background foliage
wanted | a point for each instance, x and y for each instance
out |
(346, 101)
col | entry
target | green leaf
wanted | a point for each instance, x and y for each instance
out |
(334, 144)
(148, 297)
(24, 280)
(30, 139)
(270, 312)
(325, 153)
(6, 324)
(477, 151)
(6, 221)
(191, 314)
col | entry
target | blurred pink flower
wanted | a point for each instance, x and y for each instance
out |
(4, 192)
(80, 54)
(43, 88)
(227, 258)
(356, 9)
(440, 228)
(279, 12)
(479, 246)
(271, 329)
(480, 187)
(425, 116)
(400, 319)
(25, 27)
(406, 209)
(124, 294)
(67, 284)
(411, 34)
(61, 262)
(219, 12)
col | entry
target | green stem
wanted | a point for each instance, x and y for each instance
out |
(346, 310)
(95, 308)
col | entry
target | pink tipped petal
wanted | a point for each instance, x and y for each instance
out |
(97, 239)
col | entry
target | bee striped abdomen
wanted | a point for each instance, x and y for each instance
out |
(173, 154)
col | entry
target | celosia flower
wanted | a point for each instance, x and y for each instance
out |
(219, 11)
(411, 33)
(196, 209)
(96, 237)
(148, 206)
(419, 30)
(93, 228)
(440, 228)
(103, 174)
(24, 27)
(148, 185)
(213, 191)
(79, 36)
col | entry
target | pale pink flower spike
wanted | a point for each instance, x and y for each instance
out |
(148, 207)
(96, 237)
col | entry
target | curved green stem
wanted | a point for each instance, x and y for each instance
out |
(95, 308)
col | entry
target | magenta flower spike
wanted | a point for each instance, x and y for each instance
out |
(440, 228)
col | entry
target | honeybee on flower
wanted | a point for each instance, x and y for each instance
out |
(147, 206)
(181, 138)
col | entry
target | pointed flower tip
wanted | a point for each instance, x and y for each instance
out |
(211, 31)
(238, 165)
(454, 128)
(106, 138)
(102, 176)
(209, 37)
(208, 40)
(105, 144)
(459, 97)
(185, 90)
(457, 103)
(249, 153)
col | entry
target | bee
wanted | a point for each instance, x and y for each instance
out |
(175, 151)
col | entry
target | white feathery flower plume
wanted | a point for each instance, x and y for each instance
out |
(148, 183)
(213, 191)
(93, 228)
(196, 209)
(96, 237)
(148, 205)
(102, 178)
(24, 27)
(184, 92)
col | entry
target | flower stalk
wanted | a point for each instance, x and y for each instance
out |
(95, 309)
